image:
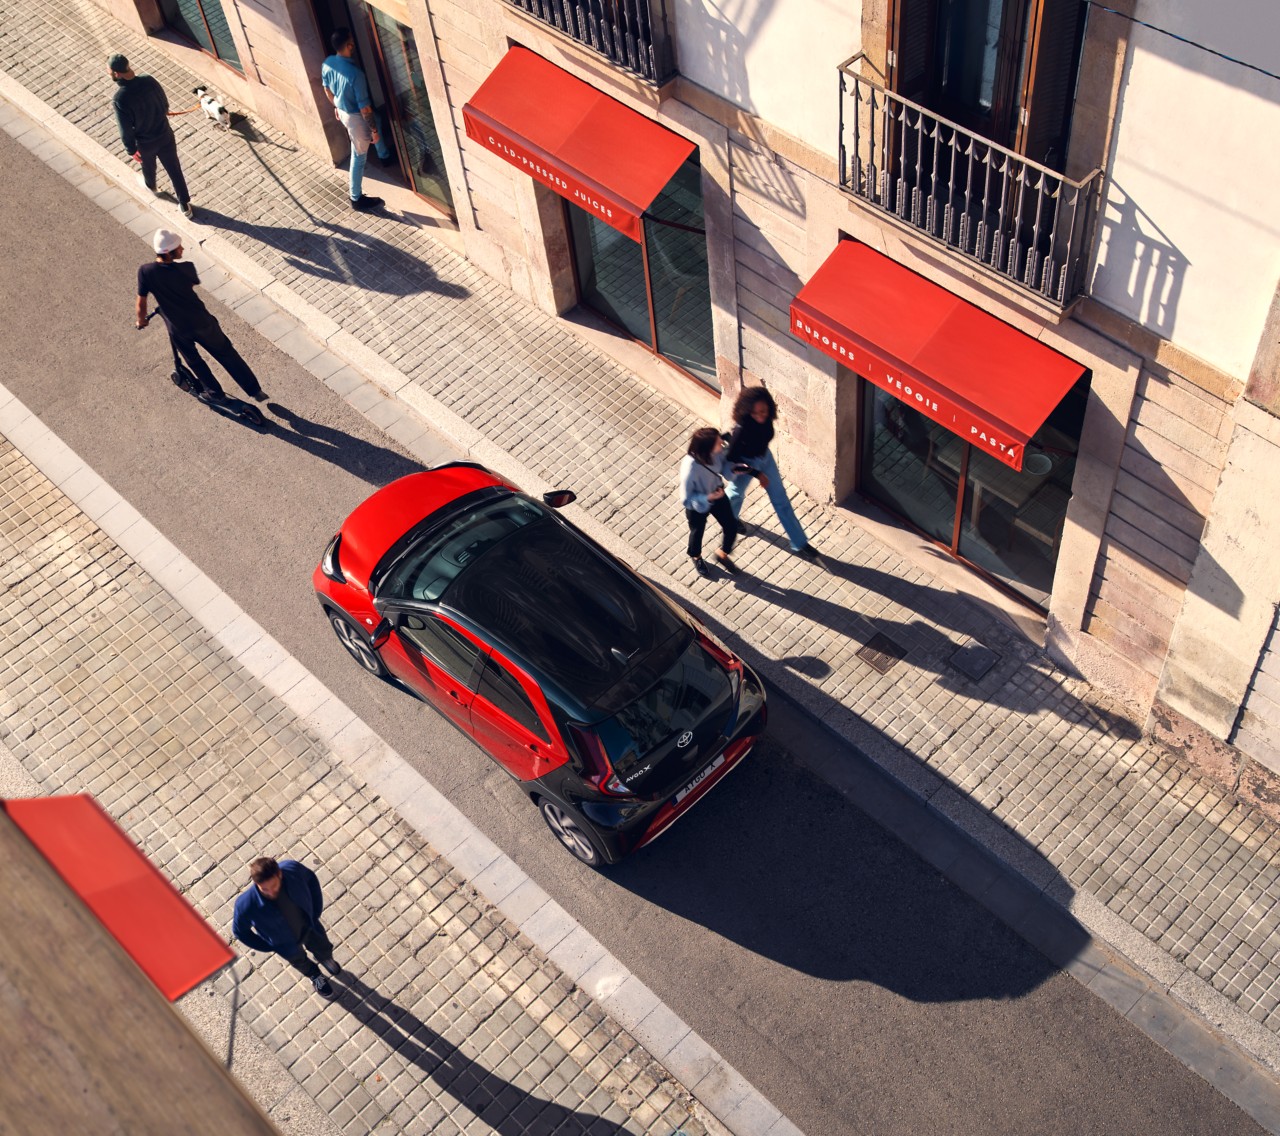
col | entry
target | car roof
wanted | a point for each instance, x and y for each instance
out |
(383, 518)
(569, 613)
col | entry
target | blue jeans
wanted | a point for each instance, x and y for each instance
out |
(777, 497)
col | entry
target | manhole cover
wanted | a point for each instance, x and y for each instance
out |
(973, 660)
(881, 652)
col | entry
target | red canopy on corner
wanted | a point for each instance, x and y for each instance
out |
(588, 147)
(982, 379)
(141, 909)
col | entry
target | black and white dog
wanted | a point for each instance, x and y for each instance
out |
(213, 108)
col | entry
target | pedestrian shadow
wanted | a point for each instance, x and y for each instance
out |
(342, 255)
(375, 464)
(507, 1109)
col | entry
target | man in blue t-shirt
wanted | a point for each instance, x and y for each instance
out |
(348, 91)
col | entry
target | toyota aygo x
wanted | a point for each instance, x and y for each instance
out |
(610, 706)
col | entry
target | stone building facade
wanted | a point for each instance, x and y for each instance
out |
(1128, 250)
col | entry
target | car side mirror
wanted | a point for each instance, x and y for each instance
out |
(559, 498)
(380, 635)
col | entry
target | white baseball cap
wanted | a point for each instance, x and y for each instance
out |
(165, 240)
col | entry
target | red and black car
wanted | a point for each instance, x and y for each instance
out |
(610, 705)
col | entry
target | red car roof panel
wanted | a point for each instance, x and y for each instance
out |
(379, 521)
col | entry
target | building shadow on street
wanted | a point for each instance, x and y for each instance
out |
(378, 465)
(507, 1109)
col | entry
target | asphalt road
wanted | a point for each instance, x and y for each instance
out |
(856, 988)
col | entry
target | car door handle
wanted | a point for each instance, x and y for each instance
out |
(454, 695)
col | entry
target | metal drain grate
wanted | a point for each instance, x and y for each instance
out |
(881, 652)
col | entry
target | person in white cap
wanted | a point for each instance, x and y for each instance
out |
(189, 322)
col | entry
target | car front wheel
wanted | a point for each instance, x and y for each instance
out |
(572, 832)
(356, 644)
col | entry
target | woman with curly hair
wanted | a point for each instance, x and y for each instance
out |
(702, 493)
(748, 456)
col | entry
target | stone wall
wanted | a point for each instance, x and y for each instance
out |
(1173, 457)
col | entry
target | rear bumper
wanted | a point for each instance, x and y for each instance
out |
(624, 829)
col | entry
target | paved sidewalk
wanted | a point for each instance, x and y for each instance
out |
(447, 1019)
(1150, 855)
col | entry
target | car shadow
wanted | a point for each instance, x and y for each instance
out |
(800, 875)
(375, 464)
(504, 1107)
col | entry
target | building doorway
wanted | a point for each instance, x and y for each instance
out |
(388, 55)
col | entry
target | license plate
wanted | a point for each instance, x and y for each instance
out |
(689, 788)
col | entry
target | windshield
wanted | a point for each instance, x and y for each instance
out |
(426, 570)
(680, 700)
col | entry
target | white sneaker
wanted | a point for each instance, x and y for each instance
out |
(142, 181)
(187, 211)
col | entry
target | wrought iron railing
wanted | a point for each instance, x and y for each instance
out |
(1029, 223)
(631, 33)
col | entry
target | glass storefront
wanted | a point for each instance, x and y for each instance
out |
(413, 128)
(669, 310)
(205, 22)
(1004, 521)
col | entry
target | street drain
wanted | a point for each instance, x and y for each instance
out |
(973, 660)
(881, 652)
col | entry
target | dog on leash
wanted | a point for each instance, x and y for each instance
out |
(213, 108)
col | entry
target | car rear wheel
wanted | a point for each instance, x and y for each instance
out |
(572, 832)
(356, 644)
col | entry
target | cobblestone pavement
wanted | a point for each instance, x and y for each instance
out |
(446, 1020)
(1033, 763)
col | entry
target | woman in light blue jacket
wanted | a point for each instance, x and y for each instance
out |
(702, 494)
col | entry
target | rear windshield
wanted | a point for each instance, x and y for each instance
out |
(572, 614)
(680, 700)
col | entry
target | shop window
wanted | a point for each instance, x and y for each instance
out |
(667, 307)
(204, 22)
(1006, 522)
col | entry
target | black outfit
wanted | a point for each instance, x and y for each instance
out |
(142, 111)
(749, 440)
(310, 935)
(190, 324)
(723, 512)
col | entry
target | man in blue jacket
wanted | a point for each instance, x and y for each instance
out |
(281, 913)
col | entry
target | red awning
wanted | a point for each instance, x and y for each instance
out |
(586, 146)
(968, 371)
(141, 909)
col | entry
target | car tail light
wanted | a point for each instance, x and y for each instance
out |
(329, 561)
(726, 659)
(599, 772)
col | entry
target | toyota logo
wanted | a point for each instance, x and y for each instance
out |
(684, 739)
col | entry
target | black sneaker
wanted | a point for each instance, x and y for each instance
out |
(322, 986)
(261, 396)
(331, 966)
(364, 203)
(808, 552)
(700, 566)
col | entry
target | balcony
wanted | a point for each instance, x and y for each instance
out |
(631, 33)
(1026, 222)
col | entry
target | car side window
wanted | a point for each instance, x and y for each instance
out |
(447, 648)
(500, 687)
